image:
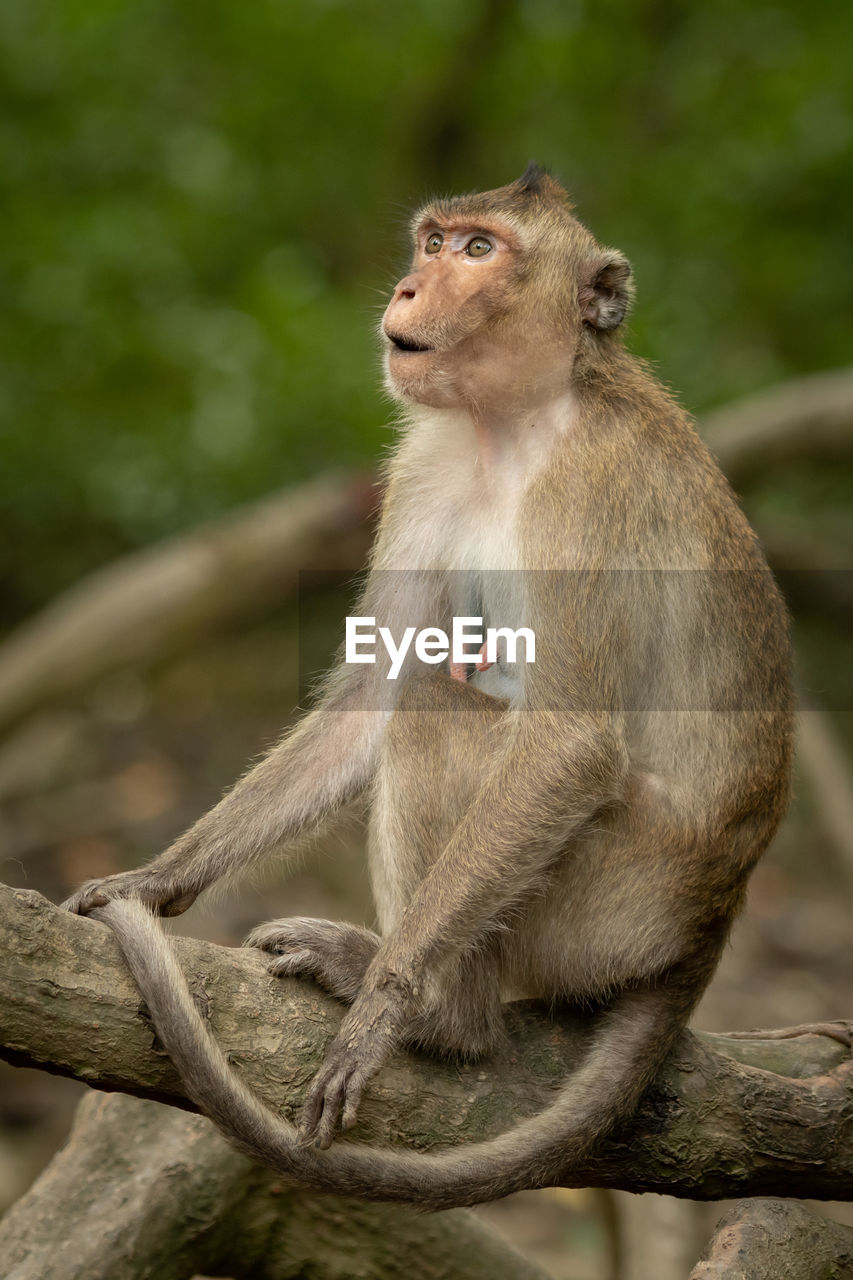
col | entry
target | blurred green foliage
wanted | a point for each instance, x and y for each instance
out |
(202, 208)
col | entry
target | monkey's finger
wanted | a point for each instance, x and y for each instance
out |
(352, 1099)
(314, 1106)
(84, 900)
(312, 1109)
(320, 1130)
(333, 1102)
(267, 936)
(292, 965)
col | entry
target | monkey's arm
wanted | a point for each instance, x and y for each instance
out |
(549, 784)
(326, 760)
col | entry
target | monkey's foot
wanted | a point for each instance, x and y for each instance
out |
(334, 953)
(166, 898)
(840, 1031)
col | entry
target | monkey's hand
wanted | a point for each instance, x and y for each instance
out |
(369, 1034)
(152, 888)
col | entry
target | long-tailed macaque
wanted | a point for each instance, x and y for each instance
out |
(578, 828)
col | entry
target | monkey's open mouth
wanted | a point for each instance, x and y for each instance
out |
(406, 344)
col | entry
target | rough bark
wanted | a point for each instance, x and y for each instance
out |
(727, 1117)
(767, 1239)
(144, 1192)
(157, 601)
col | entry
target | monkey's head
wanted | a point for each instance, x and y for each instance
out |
(506, 287)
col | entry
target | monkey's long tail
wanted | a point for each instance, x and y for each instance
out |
(636, 1035)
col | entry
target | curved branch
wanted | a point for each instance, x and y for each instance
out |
(153, 602)
(726, 1118)
(811, 415)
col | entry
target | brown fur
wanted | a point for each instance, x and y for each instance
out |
(580, 829)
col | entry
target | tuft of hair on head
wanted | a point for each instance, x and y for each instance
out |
(538, 183)
(533, 179)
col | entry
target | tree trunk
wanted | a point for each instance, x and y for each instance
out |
(144, 1192)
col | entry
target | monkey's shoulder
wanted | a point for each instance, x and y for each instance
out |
(638, 489)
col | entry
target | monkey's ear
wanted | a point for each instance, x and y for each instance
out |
(606, 297)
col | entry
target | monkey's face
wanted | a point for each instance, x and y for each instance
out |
(461, 328)
(506, 287)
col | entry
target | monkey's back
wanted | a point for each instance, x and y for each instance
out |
(659, 613)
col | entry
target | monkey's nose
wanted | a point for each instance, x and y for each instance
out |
(407, 288)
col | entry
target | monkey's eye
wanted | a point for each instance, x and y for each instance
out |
(434, 242)
(478, 247)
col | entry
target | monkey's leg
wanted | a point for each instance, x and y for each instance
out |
(499, 780)
(438, 747)
(460, 1015)
(334, 953)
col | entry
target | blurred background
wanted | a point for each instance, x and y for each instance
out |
(202, 210)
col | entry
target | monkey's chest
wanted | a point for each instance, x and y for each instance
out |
(486, 586)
